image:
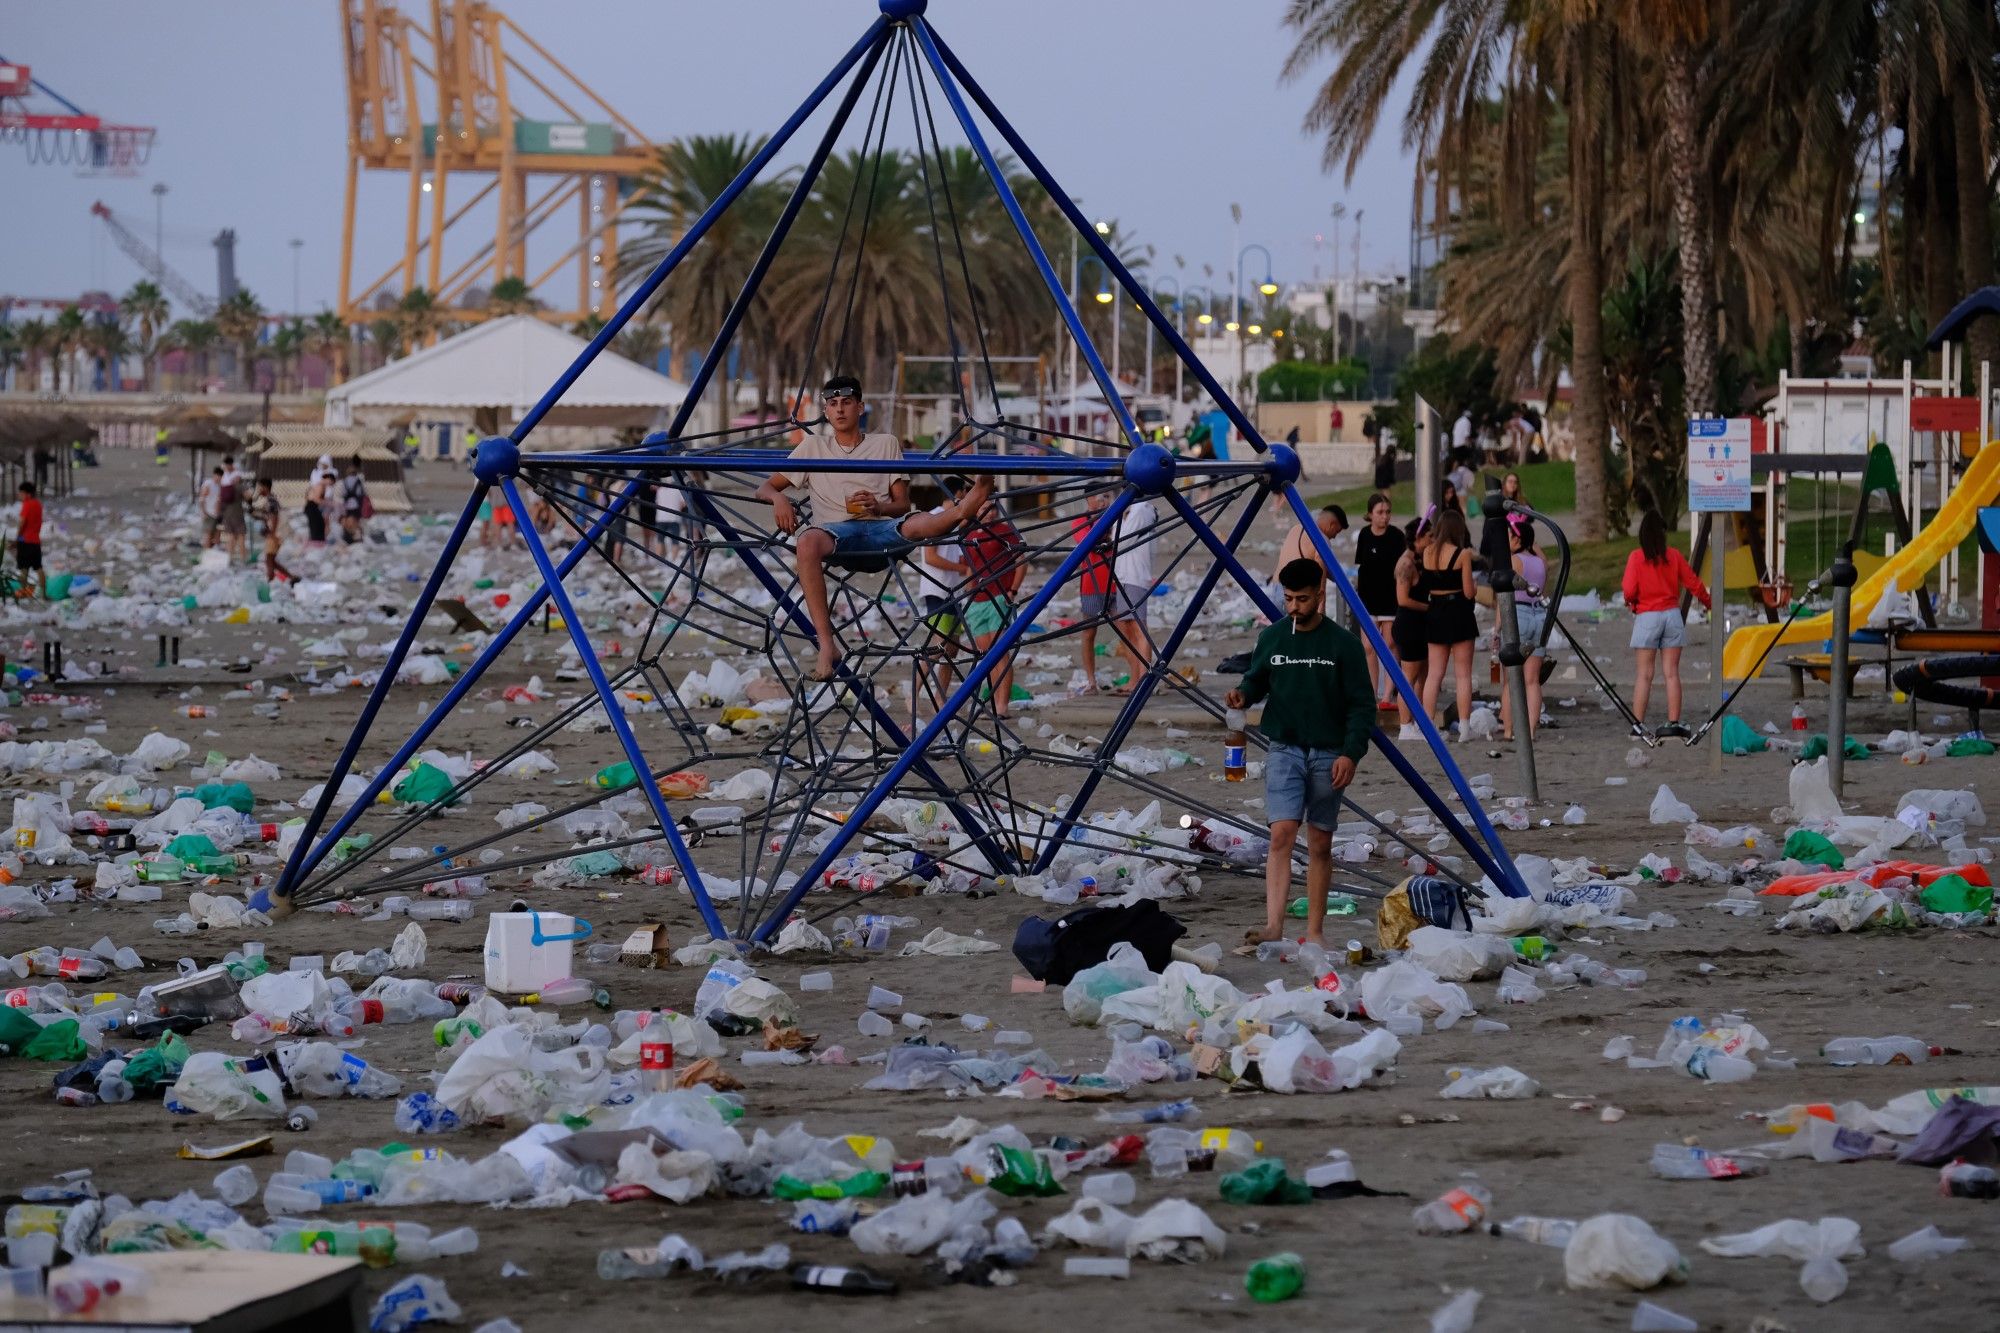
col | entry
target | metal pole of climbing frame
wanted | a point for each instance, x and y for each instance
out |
(1718, 622)
(1836, 712)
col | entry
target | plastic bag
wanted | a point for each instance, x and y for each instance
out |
(1960, 805)
(915, 1224)
(1175, 1231)
(502, 1075)
(1619, 1252)
(1669, 809)
(1091, 1223)
(1296, 1062)
(1809, 848)
(425, 785)
(156, 752)
(1500, 1083)
(220, 1085)
(1122, 970)
(1738, 738)
(1404, 987)
(1820, 1246)
(1454, 955)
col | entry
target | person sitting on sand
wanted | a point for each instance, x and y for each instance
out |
(1318, 719)
(854, 514)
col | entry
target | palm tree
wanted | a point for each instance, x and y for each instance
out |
(641, 343)
(240, 320)
(197, 338)
(327, 337)
(512, 296)
(66, 339)
(419, 316)
(286, 345)
(146, 306)
(689, 176)
(10, 350)
(35, 337)
(386, 336)
(107, 342)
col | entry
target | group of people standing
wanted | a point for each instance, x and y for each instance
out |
(229, 503)
(1421, 585)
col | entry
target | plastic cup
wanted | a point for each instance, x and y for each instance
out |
(1114, 1187)
(878, 998)
(816, 981)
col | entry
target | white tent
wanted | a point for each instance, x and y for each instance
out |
(505, 366)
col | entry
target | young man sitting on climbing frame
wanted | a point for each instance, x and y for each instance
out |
(1318, 718)
(854, 514)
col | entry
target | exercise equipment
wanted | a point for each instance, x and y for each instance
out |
(834, 753)
(1927, 677)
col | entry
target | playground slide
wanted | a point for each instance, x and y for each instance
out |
(1907, 568)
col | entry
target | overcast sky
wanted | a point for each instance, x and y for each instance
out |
(1160, 112)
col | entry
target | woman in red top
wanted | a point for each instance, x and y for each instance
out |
(1654, 577)
(28, 540)
(996, 565)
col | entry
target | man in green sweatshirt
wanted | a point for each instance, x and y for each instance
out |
(1318, 716)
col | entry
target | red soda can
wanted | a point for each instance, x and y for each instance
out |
(457, 992)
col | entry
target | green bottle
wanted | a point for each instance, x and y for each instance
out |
(615, 777)
(162, 870)
(860, 1185)
(1533, 948)
(245, 968)
(1278, 1278)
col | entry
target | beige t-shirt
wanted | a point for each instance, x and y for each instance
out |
(828, 491)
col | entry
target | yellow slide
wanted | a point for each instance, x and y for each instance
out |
(1906, 568)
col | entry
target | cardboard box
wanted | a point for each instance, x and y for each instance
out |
(647, 946)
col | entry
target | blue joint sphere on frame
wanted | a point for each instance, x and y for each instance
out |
(1150, 469)
(496, 459)
(1283, 465)
(900, 10)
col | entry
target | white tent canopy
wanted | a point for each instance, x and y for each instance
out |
(505, 364)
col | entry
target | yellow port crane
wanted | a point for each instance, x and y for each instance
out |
(436, 103)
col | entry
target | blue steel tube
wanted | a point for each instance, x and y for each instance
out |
(1143, 689)
(1510, 881)
(935, 48)
(974, 677)
(612, 712)
(467, 678)
(1112, 396)
(1382, 741)
(376, 697)
(673, 257)
(921, 464)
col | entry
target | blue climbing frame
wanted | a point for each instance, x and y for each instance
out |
(1147, 471)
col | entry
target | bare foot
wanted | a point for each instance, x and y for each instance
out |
(823, 668)
(1265, 936)
(1313, 937)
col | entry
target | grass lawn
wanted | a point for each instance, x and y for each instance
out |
(1550, 487)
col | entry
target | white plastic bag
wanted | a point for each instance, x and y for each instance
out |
(915, 1224)
(1670, 809)
(1820, 1246)
(1404, 987)
(157, 752)
(218, 1084)
(1619, 1252)
(1092, 1224)
(1454, 955)
(1500, 1083)
(1122, 970)
(503, 1076)
(1176, 1231)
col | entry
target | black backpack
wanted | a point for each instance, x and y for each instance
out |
(1055, 951)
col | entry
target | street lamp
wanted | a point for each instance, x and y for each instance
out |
(1267, 286)
(160, 231)
(1180, 327)
(297, 245)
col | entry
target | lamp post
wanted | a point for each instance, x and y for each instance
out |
(160, 231)
(1149, 339)
(1268, 288)
(1107, 296)
(297, 245)
(1338, 212)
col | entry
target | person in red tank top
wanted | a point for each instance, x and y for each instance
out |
(28, 540)
(1094, 583)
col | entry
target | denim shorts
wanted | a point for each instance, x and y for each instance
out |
(1298, 786)
(1530, 620)
(867, 536)
(1659, 629)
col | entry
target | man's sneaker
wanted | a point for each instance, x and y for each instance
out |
(1673, 729)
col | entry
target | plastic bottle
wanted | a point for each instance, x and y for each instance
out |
(1455, 1210)
(1958, 1180)
(1278, 1278)
(441, 909)
(1798, 717)
(87, 1284)
(1672, 1161)
(841, 1281)
(1875, 1051)
(1114, 1187)
(565, 990)
(372, 1243)
(1234, 743)
(639, 1261)
(1550, 1231)
(1088, 1266)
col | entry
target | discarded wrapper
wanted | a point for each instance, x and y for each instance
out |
(257, 1147)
